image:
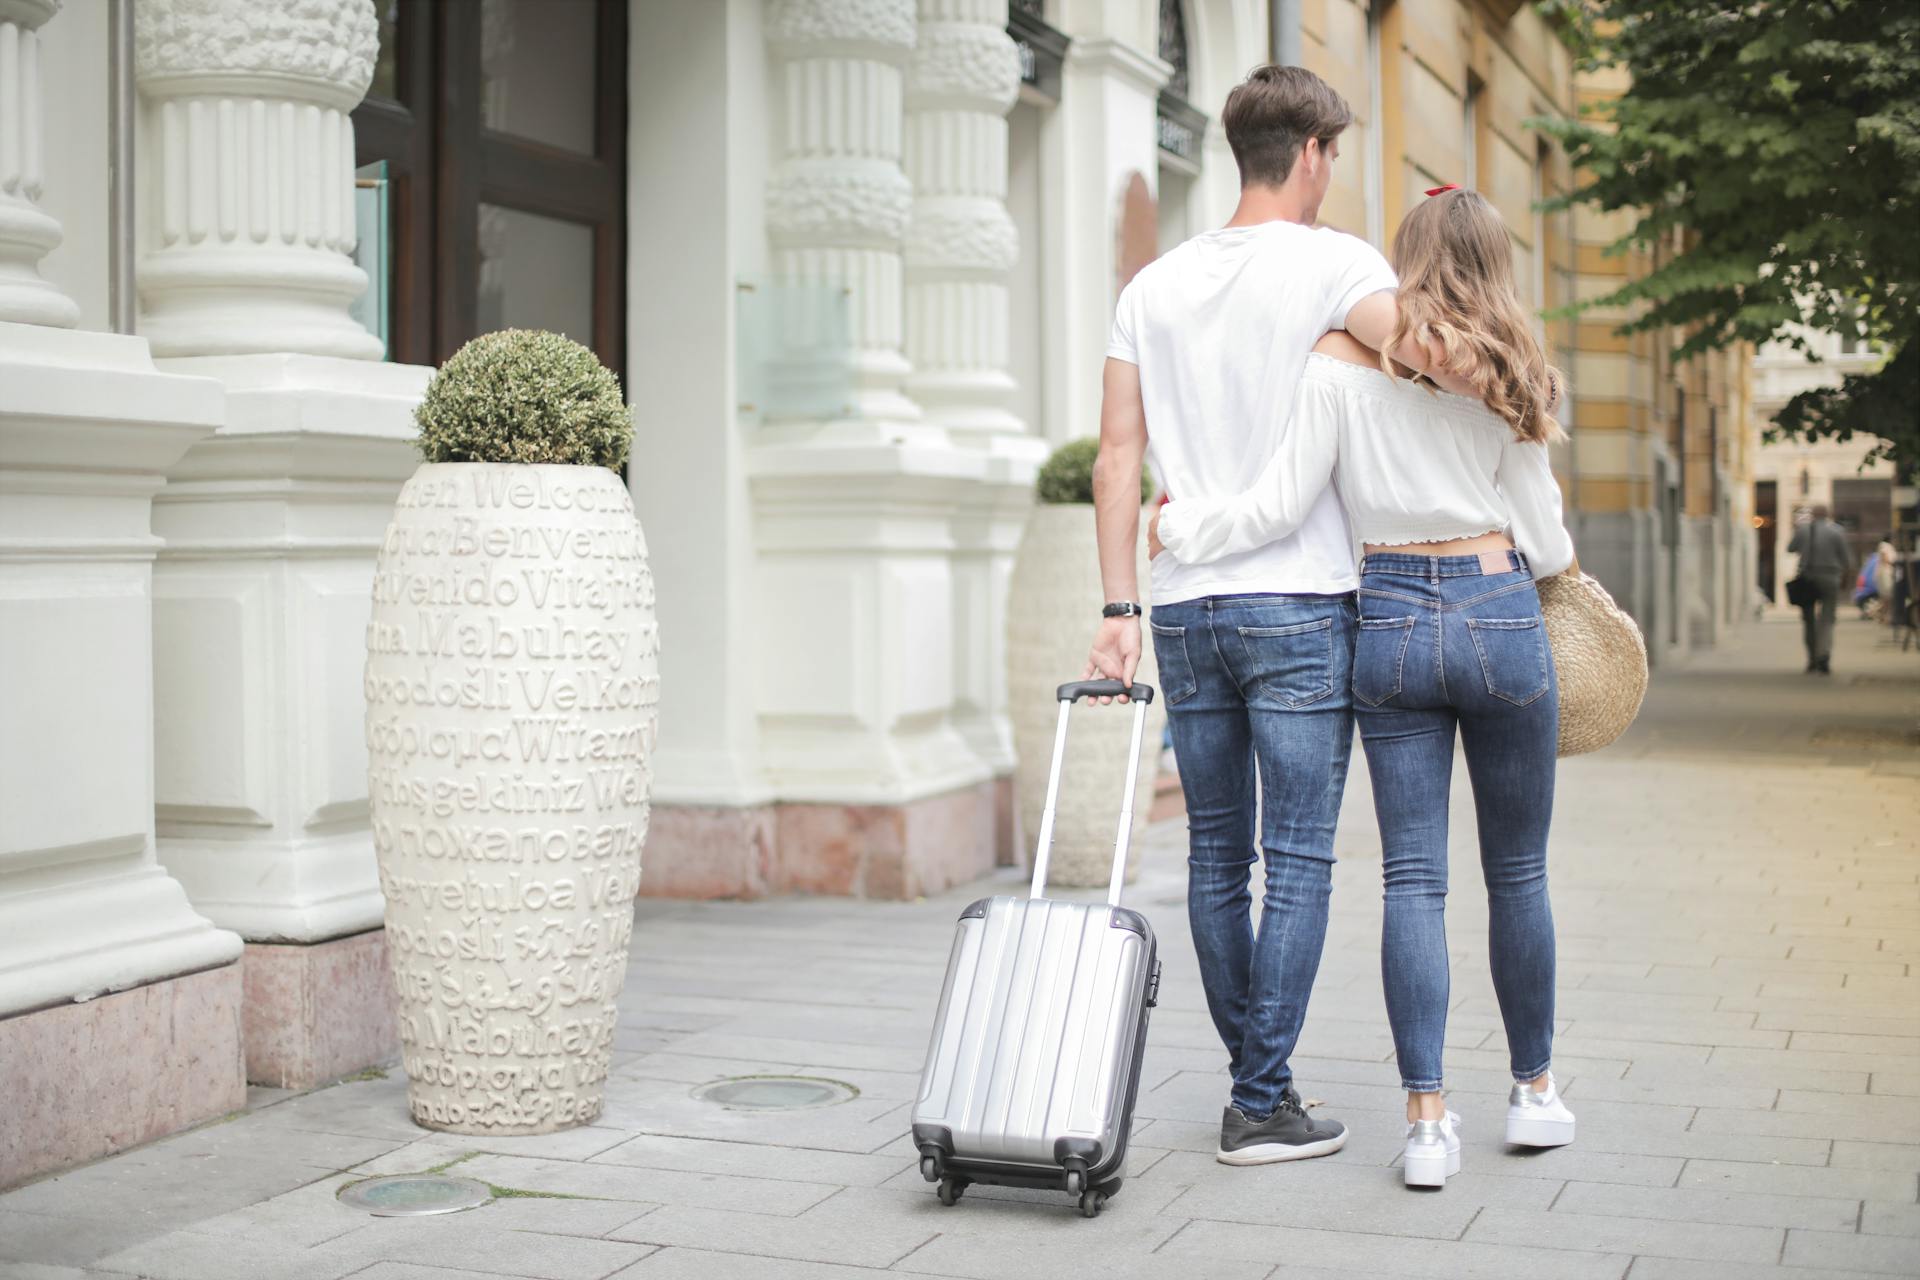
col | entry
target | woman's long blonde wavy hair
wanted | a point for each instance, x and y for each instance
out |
(1457, 295)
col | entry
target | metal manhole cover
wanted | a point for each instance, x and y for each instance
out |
(775, 1093)
(414, 1195)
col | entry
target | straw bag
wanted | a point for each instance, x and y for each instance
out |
(1600, 658)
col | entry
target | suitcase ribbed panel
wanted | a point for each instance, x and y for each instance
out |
(1034, 1040)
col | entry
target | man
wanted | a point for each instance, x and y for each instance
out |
(1254, 650)
(1825, 559)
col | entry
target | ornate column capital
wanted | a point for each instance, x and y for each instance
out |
(878, 29)
(250, 205)
(968, 65)
(319, 51)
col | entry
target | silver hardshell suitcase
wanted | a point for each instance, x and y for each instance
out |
(1035, 1059)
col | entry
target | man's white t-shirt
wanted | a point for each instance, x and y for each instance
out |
(1221, 328)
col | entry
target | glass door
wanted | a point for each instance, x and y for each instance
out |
(503, 126)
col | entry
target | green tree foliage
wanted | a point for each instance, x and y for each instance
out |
(1782, 138)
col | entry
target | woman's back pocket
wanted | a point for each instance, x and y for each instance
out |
(1380, 659)
(1513, 657)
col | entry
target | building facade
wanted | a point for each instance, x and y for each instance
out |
(855, 261)
(1791, 477)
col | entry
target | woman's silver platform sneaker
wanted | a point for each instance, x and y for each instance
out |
(1433, 1151)
(1537, 1117)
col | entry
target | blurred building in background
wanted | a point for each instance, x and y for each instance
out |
(1791, 476)
(855, 261)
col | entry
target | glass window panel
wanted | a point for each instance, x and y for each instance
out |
(536, 272)
(536, 69)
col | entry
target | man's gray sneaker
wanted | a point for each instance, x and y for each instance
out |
(1288, 1134)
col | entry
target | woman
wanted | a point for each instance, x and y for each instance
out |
(1458, 511)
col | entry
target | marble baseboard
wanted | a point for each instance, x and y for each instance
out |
(316, 1012)
(1009, 841)
(843, 850)
(697, 851)
(88, 1079)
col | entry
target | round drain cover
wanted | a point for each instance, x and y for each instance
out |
(775, 1093)
(414, 1195)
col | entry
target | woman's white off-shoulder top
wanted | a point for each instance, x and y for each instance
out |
(1411, 465)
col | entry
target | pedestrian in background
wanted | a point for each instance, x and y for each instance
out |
(1825, 560)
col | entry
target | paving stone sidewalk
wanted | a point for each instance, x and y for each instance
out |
(1737, 886)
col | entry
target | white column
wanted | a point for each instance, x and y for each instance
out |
(247, 174)
(853, 516)
(684, 259)
(960, 242)
(27, 232)
(271, 525)
(960, 246)
(1108, 100)
(837, 201)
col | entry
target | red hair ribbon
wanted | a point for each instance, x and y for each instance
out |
(1451, 186)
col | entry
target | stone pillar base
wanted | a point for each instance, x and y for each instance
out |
(883, 851)
(85, 1080)
(316, 1012)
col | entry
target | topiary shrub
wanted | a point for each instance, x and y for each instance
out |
(1067, 476)
(521, 395)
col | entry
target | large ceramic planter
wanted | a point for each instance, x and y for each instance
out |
(1053, 608)
(511, 686)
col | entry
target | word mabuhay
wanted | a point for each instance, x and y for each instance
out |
(607, 593)
(447, 635)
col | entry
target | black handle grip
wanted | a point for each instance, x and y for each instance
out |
(1079, 689)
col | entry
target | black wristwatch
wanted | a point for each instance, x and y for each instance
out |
(1122, 609)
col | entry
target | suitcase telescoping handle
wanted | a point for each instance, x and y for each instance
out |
(1140, 695)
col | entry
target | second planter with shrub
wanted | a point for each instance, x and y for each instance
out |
(1053, 608)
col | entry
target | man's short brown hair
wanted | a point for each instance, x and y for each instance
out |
(1270, 115)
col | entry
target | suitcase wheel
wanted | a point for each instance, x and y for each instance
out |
(950, 1189)
(930, 1168)
(1091, 1203)
(1076, 1177)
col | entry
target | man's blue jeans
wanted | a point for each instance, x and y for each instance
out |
(1262, 682)
(1448, 649)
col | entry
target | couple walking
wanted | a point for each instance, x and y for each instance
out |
(1244, 366)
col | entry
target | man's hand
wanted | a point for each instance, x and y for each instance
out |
(1154, 545)
(1115, 654)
